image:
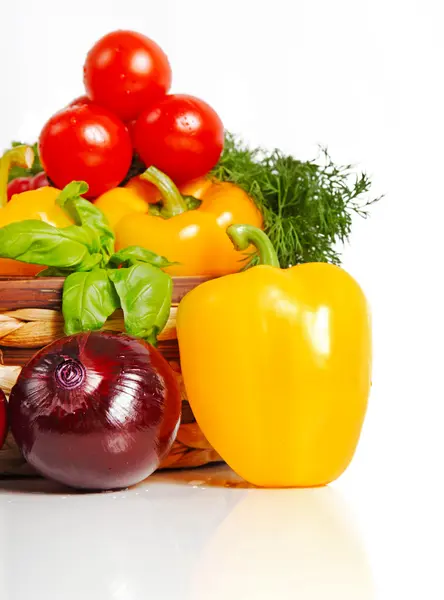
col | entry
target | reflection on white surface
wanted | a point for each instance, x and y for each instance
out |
(180, 536)
(279, 544)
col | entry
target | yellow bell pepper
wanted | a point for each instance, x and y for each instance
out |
(137, 195)
(37, 204)
(194, 240)
(120, 202)
(277, 366)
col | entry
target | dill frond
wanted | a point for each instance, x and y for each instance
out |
(307, 206)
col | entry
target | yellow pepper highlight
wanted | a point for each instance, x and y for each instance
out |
(277, 367)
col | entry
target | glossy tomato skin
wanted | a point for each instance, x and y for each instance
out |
(3, 418)
(180, 135)
(80, 100)
(88, 143)
(126, 72)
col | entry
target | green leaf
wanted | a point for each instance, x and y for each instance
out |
(308, 206)
(132, 254)
(42, 244)
(91, 262)
(15, 171)
(54, 272)
(73, 190)
(88, 300)
(145, 296)
(79, 234)
(85, 214)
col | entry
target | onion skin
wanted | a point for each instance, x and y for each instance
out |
(96, 410)
(3, 418)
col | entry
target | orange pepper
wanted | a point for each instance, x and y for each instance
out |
(195, 240)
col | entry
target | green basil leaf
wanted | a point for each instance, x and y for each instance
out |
(145, 296)
(72, 190)
(80, 234)
(91, 262)
(54, 272)
(88, 300)
(42, 244)
(132, 254)
(88, 216)
(16, 171)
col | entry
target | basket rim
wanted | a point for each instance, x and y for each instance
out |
(190, 278)
(46, 292)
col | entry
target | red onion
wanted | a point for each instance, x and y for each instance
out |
(3, 418)
(96, 410)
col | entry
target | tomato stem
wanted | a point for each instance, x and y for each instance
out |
(243, 236)
(20, 156)
(173, 202)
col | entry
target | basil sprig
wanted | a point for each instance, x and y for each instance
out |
(42, 244)
(145, 310)
(133, 254)
(98, 280)
(91, 220)
(88, 300)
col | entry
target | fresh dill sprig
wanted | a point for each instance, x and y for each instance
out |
(307, 205)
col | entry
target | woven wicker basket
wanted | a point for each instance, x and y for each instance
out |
(30, 318)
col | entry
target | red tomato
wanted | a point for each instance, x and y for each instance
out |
(126, 72)
(180, 135)
(131, 125)
(80, 100)
(86, 143)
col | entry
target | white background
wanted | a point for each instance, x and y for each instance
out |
(365, 78)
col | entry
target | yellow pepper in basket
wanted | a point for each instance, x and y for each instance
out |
(37, 204)
(277, 366)
(193, 239)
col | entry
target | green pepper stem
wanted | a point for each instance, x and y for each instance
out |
(173, 203)
(243, 236)
(20, 156)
